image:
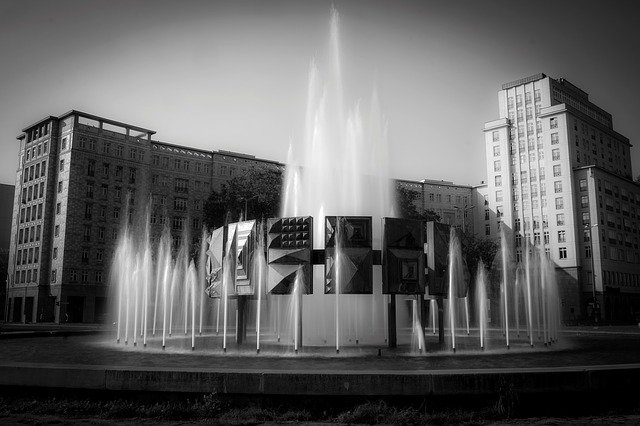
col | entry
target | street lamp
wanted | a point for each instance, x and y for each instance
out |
(596, 305)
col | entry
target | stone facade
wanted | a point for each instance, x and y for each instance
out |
(80, 179)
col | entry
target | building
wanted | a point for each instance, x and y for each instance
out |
(79, 177)
(453, 203)
(559, 176)
(6, 209)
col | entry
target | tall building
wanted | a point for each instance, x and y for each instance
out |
(6, 209)
(560, 177)
(79, 177)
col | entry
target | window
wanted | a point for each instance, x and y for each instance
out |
(132, 175)
(116, 212)
(59, 187)
(88, 210)
(486, 214)
(584, 201)
(180, 204)
(557, 186)
(560, 219)
(61, 165)
(119, 172)
(85, 276)
(487, 229)
(586, 218)
(587, 252)
(555, 139)
(562, 251)
(89, 190)
(178, 222)
(100, 255)
(562, 237)
(105, 170)
(496, 136)
(182, 185)
(583, 184)
(496, 151)
(553, 123)
(555, 154)
(58, 208)
(55, 253)
(498, 180)
(101, 234)
(56, 231)
(91, 168)
(119, 150)
(85, 255)
(63, 144)
(496, 166)
(559, 203)
(54, 275)
(546, 237)
(556, 170)
(498, 196)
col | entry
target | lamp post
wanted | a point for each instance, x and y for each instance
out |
(596, 305)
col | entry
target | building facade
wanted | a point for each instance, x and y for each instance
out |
(452, 202)
(556, 175)
(80, 177)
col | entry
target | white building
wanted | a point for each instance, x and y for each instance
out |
(559, 176)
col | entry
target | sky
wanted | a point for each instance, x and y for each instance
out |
(233, 75)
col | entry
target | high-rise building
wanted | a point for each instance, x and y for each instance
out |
(79, 178)
(559, 176)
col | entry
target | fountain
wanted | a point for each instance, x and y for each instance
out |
(330, 270)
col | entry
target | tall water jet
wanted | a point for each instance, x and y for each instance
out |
(339, 167)
(259, 272)
(338, 279)
(505, 282)
(456, 281)
(481, 302)
(192, 278)
(527, 266)
(202, 262)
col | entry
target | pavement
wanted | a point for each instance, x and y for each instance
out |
(585, 358)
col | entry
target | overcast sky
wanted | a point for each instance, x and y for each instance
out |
(233, 75)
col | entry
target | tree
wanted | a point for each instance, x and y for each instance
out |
(405, 200)
(476, 249)
(258, 191)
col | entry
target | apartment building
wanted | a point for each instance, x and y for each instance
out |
(556, 171)
(80, 177)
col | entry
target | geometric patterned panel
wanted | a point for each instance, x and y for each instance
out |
(246, 235)
(353, 269)
(438, 235)
(403, 262)
(214, 263)
(289, 250)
